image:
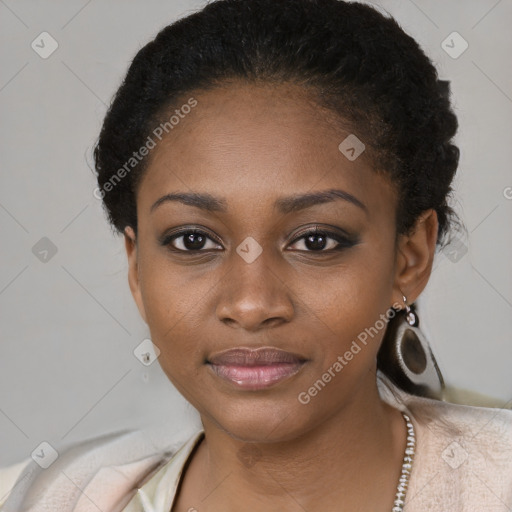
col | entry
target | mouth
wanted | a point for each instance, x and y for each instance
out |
(254, 369)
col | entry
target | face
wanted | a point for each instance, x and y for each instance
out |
(254, 275)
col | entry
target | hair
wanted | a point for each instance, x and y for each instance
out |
(354, 63)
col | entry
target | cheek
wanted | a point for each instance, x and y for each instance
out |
(351, 297)
(347, 318)
(173, 304)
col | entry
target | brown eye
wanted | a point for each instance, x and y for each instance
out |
(190, 240)
(321, 240)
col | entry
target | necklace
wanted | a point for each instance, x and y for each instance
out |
(406, 466)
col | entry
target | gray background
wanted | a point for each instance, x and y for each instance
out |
(69, 324)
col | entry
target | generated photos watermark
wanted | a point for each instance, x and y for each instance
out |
(151, 142)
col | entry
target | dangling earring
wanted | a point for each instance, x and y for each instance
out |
(406, 358)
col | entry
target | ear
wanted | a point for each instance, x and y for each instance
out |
(131, 246)
(414, 258)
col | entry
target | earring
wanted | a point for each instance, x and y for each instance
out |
(406, 357)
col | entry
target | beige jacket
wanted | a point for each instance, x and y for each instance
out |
(463, 463)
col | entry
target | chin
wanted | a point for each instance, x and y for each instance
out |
(257, 424)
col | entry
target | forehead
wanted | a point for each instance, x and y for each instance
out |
(265, 141)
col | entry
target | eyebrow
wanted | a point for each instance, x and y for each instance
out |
(284, 205)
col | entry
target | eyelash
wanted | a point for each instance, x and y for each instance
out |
(343, 242)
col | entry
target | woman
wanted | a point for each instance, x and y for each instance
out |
(280, 171)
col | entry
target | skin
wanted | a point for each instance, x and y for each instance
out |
(251, 145)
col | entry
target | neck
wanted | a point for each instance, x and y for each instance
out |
(357, 453)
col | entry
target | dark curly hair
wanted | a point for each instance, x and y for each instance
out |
(355, 62)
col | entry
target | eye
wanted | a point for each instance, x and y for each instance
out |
(323, 240)
(314, 240)
(190, 240)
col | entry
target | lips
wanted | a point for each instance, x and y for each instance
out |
(254, 369)
(255, 357)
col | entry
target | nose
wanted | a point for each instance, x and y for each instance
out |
(253, 295)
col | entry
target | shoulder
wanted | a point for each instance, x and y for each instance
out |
(105, 468)
(463, 454)
(481, 434)
(467, 451)
(8, 477)
(486, 426)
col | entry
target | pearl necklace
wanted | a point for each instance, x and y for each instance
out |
(406, 466)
